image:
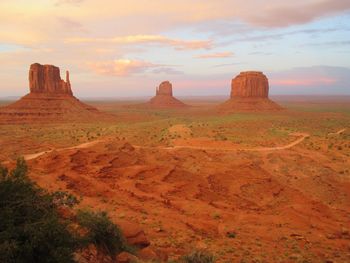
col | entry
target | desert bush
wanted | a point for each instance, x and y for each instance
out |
(101, 232)
(61, 198)
(32, 230)
(20, 170)
(30, 227)
(198, 256)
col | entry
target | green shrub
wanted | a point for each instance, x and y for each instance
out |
(198, 256)
(102, 232)
(61, 198)
(20, 170)
(30, 227)
(32, 230)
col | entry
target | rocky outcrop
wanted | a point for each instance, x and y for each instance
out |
(46, 79)
(249, 92)
(250, 84)
(134, 235)
(164, 97)
(165, 88)
(50, 100)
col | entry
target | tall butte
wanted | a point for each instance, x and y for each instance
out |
(50, 99)
(164, 97)
(249, 92)
(46, 79)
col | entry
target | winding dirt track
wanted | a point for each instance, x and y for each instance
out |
(338, 132)
(80, 146)
(301, 138)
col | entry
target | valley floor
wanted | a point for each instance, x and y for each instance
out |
(250, 187)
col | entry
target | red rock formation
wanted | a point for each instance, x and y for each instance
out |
(250, 84)
(249, 92)
(164, 97)
(165, 88)
(50, 100)
(47, 79)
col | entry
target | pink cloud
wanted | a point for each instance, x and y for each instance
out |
(121, 67)
(69, 2)
(282, 14)
(303, 82)
(216, 55)
(147, 39)
(200, 84)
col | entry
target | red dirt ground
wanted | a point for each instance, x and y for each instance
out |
(283, 206)
(271, 187)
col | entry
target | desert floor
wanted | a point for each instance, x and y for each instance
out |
(250, 187)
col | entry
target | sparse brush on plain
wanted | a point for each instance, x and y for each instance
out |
(198, 256)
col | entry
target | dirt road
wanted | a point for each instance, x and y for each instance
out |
(80, 146)
(301, 138)
(338, 132)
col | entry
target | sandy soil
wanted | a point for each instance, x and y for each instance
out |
(248, 187)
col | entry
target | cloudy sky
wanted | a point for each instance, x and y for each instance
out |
(118, 48)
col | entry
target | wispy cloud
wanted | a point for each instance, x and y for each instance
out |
(322, 79)
(167, 71)
(121, 67)
(286, 34)
(216, 55)
(328, 44)
(272, 13)
(260, 53)
(311, 82)
(148, 39)
(227, 64)
(282, 14)
(69, 23)
(69, 2)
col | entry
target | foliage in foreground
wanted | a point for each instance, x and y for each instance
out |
(102, 232)
(32, 230)
(199, 256)
(30, 227)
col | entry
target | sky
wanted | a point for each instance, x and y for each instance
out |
(118, 48)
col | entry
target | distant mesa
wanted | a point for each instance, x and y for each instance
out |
(164, 97)
(249, 92)
(50, 100)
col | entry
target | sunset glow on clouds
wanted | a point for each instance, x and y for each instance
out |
(147, 39)
(126, 48)
(121, 67)
(303, 82)
(216, 55)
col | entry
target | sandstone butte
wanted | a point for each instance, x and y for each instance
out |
(46, 79)
(249, 92)
(50, 99)
(164, 97)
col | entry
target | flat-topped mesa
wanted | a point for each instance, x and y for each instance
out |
(46, 79)
(165, 88)
(250, 84)
(249, 92)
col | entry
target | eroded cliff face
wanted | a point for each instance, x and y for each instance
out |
(46, 79)
(249, 92)
(165, 88)
(50, 100)
(250, 84)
